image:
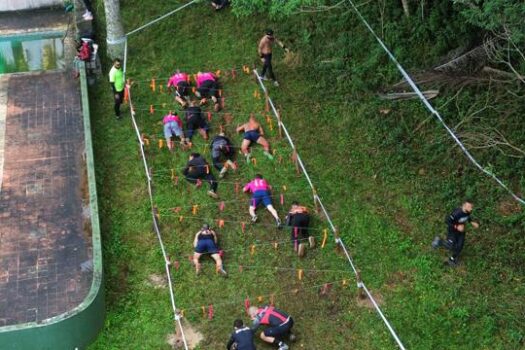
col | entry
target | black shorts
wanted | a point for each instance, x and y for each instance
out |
(209, 88)
(183, 88)
(279, 331)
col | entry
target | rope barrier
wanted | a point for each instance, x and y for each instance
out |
(431, 109)
(318, 200)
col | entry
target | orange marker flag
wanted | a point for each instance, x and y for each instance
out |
(181, 218)
(203, 311)
(161, 89)
(221, 223)
(300, 274)
(282, 199)
(210, 312)
(254, 161)
(126, 95)
(161, 143)
(221, 206)
(275, 245)
(270, 125)
(252, 249)
(325, 237)
(272, 299)
(194, 209)
(237, 187)
(153, 85)
(246, 69)
(243, 226)
(260, 299)
(345, 282)
(151, 109)
(209, 116)
(234, 73)
(267, 103)
(218, 72)
(284, 188)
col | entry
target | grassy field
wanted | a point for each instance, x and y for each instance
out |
(387, 194)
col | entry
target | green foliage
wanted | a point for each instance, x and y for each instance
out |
(274, 8)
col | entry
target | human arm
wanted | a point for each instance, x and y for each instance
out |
(214, 234)
(260, 47)
(256, 322)
(240, 128)
(475, 224)
(281, 44)
(247, 187)
(230, 342)
(195, 240)
(261, 130)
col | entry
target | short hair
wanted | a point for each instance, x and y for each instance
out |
(205, 227)
(117, 60)
(195, 155)
(269, 31)
(295, 203)
(258, 176)
(238, 323)
(467, 200)
(252, 311)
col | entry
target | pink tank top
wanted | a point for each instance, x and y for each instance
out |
(172, 118)
(257, 185)
(177, 78)
(202, 77)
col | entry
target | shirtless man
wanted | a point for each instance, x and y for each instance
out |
(265, 53)
(253, 132)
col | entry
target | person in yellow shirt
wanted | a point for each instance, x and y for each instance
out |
(116, 79)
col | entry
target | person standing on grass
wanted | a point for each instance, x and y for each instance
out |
(299, 220)
(456, 231)
(205, 242)
(116, 79)
(197, 170)
(260, 190)
(222, 148)
(179, 82)
(253, 132)
(279, 325)
(241, 338)
(265, 53)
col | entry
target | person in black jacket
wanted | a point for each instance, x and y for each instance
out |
(197, 169)
(195, 122)
(456, 231)
(241, 338)
(222, 148)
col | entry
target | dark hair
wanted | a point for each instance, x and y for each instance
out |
(269, 32)
(258, 176)
(117, 60)
(295, 203)
(238, 323)
(467, 200)
(195, 155)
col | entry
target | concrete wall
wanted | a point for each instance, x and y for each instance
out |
(16, 5)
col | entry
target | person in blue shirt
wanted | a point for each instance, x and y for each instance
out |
(241, 338)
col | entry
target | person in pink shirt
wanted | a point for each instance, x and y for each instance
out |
(172, 128)
(208, 87)
(180, 82)
(260, 190)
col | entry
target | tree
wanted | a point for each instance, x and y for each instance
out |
(115, 31)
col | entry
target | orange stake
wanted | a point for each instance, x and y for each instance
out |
(252, 249)
(300, 274)
(194, 209)
(221, 223)
(152, 85)
(181, 218)
(325, 237)
(209, 116)
(234, 74)
(260, 298)
(161, 143)
(218, 72)
(151, 109)
(243, 226)
(254, 161)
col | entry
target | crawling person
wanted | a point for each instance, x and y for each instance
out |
(205, 242)
(172, 128)
(195, 121)
(260, 190)
(208, 87)
(241, 338)
(279, 325)
(299, 220)
(198, 169)
(180, 83)
(253, 132)
(222, 150)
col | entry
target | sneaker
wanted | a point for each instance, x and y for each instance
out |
(268, 155)
(88, 16)
(118, 117)
(276, 84)
(311, 240)
(451, 262)
(223, 172)
(247, 156)
(223, 272)
(292, 337)
(254, 219)
(279, 224)
(436, 243)
(300, 250)
(213, 194)
(283, 346)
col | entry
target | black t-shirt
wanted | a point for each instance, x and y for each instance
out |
(458, 216)
(244, 339)
(196, 167)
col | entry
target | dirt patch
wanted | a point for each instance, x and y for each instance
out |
(193, 337)
(366, 303)
(509, 207)
(157, 281)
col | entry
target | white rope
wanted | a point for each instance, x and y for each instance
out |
(338, 240)
(155, 224)
(431, 108)
(160, 18)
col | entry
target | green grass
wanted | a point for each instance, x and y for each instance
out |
(367, 174)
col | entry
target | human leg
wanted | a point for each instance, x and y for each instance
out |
(196, 257)
(266, 146)
(118, 98)
(218, 264)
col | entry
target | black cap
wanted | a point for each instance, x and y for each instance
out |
(269, 32)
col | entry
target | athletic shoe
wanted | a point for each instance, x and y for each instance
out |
(254, 219)
(118, 117)
(88, 16)
(275, 83)
(247, 156)
(292, 337)
(283, 346)
(279, 224)
(436, 243)
(311, 240)
(223, 272)
(213, 194)
(300, 250)
(223, 172)
(268, 155)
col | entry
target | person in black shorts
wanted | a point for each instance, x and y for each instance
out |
(241, 338)
(456, 231)
(198, 169)
(180, 83)
(222, 148)
(279, 325)
(299, 219)
(208, 87)
(205, 242)
(195, 121)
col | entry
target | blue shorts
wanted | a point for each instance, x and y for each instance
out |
(172, 129)
(261, 196)
(252, 135)
(206, 246)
